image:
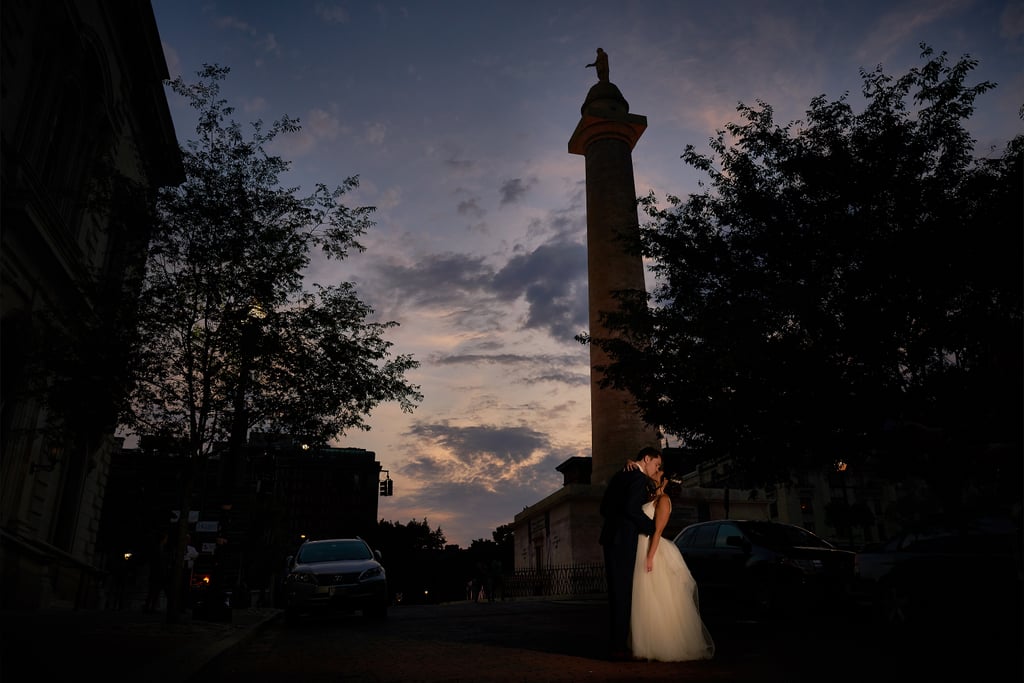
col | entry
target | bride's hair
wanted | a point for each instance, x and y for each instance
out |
(673, 486)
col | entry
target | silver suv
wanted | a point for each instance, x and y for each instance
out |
(341, 574)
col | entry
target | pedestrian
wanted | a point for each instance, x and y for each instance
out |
(624, 521)
(159, 570)
(480, 582)
(188, 565)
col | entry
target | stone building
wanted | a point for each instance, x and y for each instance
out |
(86, 139)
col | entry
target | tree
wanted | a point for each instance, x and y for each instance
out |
(844, 287)
(228, 338)
(414, 558)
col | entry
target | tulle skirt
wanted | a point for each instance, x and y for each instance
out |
(665, 624)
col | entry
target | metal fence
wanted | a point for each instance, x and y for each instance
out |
(560, 580)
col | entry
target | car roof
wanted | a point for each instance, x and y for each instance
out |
(732, 520)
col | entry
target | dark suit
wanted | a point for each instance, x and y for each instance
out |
(624, 521)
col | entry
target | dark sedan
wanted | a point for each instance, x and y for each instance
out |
(965, 573)
(770, 568)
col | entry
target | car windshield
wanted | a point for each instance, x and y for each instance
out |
(333, 551)
(784, 535)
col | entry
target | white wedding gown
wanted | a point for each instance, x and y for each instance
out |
(665, 623)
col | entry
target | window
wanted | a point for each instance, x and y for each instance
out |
(704, 536)
(724, 532)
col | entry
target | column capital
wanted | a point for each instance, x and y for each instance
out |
(600, 125)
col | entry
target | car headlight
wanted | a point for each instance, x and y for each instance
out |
(300, 577)
(372, 573)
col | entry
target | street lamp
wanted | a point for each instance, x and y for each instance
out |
(237, 441)
(240, 419)
(841, 466)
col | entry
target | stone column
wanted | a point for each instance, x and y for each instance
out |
(605, 136)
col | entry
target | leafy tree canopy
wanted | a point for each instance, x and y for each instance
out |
(229, 338)
(409, 537)
(846, 287)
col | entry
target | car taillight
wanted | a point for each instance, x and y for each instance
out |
(804, 565)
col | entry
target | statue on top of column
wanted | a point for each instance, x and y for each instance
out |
(602, 65)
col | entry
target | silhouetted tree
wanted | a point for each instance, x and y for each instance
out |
(413, 556)
(846, 287)
(228, 338)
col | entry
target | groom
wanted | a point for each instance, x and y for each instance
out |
(624, 521)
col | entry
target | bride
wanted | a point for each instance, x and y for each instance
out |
(665, 624)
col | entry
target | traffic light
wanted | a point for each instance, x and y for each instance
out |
(387, 487)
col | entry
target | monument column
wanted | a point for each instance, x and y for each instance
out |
(605, 136)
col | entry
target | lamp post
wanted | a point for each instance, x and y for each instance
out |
(240, 419)
(841, 466)
(237, 437)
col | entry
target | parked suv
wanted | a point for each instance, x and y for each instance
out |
(765, 567)
(338, 573)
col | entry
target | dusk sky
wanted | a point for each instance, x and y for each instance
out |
(456, 117)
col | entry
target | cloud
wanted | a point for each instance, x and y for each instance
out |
(389, 199)
(580, 379)
(254, 104)
(524, 369)
(1011, 22)
(332, 14)
(265, 41)
(514, 189)
(460, 165)
(321, 125)
(500, 358)
(896, 29)
(436, 279)
(492, 446)
(318, 126)
(493, 471)
(553, 281)
(375, 133)
(470, 207)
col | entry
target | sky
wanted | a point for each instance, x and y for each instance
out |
(456, 116)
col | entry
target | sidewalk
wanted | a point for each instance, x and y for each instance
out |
(116, 644)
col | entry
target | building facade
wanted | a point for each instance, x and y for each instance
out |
(87, 137)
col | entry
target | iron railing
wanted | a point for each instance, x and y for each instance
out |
(556, 580)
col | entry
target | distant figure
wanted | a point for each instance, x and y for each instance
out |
(602, 65)
(480, 582)
(188, 564)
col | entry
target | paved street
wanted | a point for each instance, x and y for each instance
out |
(561, 641)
